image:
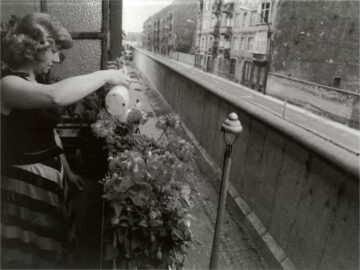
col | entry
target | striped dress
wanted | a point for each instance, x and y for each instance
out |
(37, 220)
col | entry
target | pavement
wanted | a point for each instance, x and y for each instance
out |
(237, 250)
(336, 133)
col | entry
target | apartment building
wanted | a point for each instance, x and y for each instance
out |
(233, 39)
(306, 52)
(172, 28)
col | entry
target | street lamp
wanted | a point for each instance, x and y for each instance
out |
(231, 129)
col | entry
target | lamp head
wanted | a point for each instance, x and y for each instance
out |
(231, 128)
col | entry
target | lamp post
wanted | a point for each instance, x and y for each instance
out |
(231, 129)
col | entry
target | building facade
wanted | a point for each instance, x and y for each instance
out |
(172, 28)
(233, 39)
(306, 52)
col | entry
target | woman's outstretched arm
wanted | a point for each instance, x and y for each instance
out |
(22, 94)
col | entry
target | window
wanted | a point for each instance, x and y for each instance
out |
(265, 12)
(222, 42)
(262, 73)
(209, 5)
(244, 19)
(209, 42)
(232, 66)
(255, 74)
(228, 21)
(336, 82)
(237, 20)
(213, 21)
(223, 19)
(227, 44)
(254, 18)
(260, 42)
(250, 45)
(235, 44)
(242, 44)
(247, 71)
(203, 43)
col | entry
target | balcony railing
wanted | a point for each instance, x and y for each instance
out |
(215, 30)
(216, 8)
(228, 8)
(226, 31)
(213, 49)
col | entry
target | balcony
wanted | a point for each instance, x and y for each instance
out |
(216, 8)
(226, 52)
(259, 57)
(226, 31)
(215, 30)
(213, 49)
(228, 8)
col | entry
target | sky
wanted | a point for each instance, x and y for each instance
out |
(135, 12)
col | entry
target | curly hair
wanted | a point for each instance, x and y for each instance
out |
(27, 40)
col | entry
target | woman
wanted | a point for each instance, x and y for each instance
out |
(36, 221)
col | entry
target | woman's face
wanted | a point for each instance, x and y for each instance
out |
(51, 56)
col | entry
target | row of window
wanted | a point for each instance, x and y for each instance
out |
(161, 21)
(243, 18)
(257, 43)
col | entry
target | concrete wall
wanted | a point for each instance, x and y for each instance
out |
(322, 100)
(309, 204)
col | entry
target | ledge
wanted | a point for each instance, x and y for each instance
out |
(340, 157)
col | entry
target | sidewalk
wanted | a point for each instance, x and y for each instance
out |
(237, 249)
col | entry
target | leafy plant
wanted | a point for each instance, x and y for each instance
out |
(146, 187)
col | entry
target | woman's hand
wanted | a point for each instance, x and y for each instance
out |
(76, 180)
(117, 76)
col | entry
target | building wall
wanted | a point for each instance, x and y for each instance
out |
(172, 28)
(248, 34)
(306, 202)
(318, 41)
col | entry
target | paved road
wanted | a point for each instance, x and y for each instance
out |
(331, 131)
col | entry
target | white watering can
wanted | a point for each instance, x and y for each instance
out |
(117, 102)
